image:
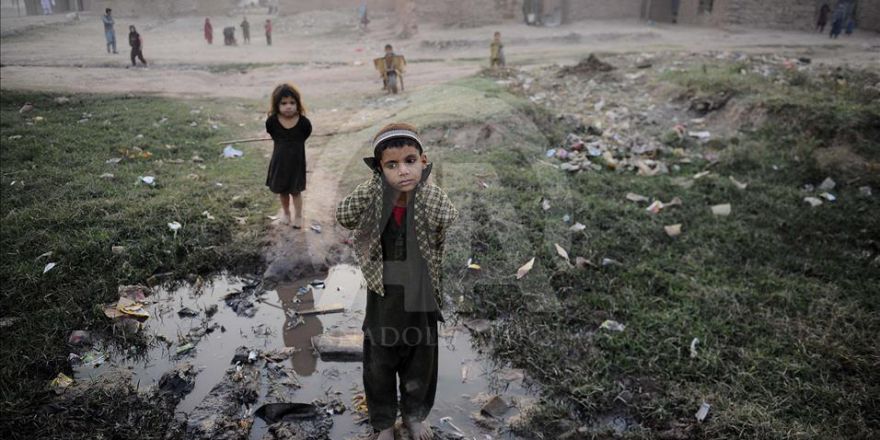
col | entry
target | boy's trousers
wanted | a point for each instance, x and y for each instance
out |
(416, 365)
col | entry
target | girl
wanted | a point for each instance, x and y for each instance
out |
(209, 31)
(289, 128)
(137, 44)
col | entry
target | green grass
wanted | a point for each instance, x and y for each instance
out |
(783, 298)
(60, 204)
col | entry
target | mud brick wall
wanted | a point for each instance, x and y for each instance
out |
(781, 14)
(464, 13)
(602, 9)
(868, 15)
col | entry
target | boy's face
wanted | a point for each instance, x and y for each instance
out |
(497, 37)
(388, 51)
(287, 106)
(402, 167)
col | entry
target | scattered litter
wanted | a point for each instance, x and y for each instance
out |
(464, 373)
(188, 312)
(49, 267)
(827, 185)
(26, 108)
(583, 263)
(551, 152)
(633, 197)
(79, 337)
(562, 253)
(721, 210)
(673, 230)
(448, 421)
(694, 343)
(609, 262)
(184, 348)
(340, 346)
(207, 215)
(240, 220)
(658, 206)
(149, 180)
(272, 217)
(62, 100)
(545, 205)
(43, 255)
(496, 407)
(273, 413)
(132, 308)
(229, 152)
(739, 185)
(577, 227)
(322, 310)
(512, 375)
(472, 265)
(60, 383)
(702, 412)
(174, 226)
(478, 325)
(317, 284)
(701, 135)
(701, 174)
(525, 268)
(14, 137)
(813, 201)
(107, 176)
(828, 196)
(612, 325)
(865, 191)
(316, 227)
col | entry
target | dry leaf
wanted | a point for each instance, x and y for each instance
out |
(522, 271)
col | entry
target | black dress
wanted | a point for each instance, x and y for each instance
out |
(287, 169)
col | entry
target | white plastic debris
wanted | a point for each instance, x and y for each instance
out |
(230, 152)
(174, 226)
(722, 210)
(702, 412)
(828, 196)
(701, 135)
(827, 185)
(813, 201)
(577, 227)
(49, 266)
(612, 325)
(739, 185)
(865, 191)
(633, 197)
(207, 215)
(673, 230)
(149, 180)
(694, 343)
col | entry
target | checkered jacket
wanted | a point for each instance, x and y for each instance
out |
(361, 212)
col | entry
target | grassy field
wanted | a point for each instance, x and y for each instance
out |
(58, 197)
(782, 297)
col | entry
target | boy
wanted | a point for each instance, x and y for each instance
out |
(390, 67)
(400, 222)
(496, 49)
(246, 31)
(109, 32)
(268, 28)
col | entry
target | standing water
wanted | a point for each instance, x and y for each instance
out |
(467, 378)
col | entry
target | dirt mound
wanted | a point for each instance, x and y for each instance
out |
(588, 66)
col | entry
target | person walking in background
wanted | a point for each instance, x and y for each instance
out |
(109, 31)
(47, 6)
(268, 27)
(137, 45)
(823, 17)
(209, 31)
(246, 31)
(837, 20)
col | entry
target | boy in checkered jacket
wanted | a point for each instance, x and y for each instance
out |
(399, 221)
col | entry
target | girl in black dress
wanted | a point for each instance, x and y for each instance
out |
(289, 128)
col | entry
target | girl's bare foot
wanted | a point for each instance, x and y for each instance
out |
(386, 434)
(420, 430)
(285, 219)
(298, 223)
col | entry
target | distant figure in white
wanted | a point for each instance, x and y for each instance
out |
(47, 6)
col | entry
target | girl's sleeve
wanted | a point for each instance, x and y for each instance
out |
(307, 128)
(269, 126)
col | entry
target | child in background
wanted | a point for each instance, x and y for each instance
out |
(289, 128)
(496, 57)
(137, 46)
(268, 27)
(400, 222)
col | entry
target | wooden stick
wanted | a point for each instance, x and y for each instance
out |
(241, 141)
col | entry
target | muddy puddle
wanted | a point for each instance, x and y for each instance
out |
(467, 378)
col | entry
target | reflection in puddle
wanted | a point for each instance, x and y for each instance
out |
(464, 375)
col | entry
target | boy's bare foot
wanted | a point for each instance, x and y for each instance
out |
(298, 223)
(420, 430)
(386, 434)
